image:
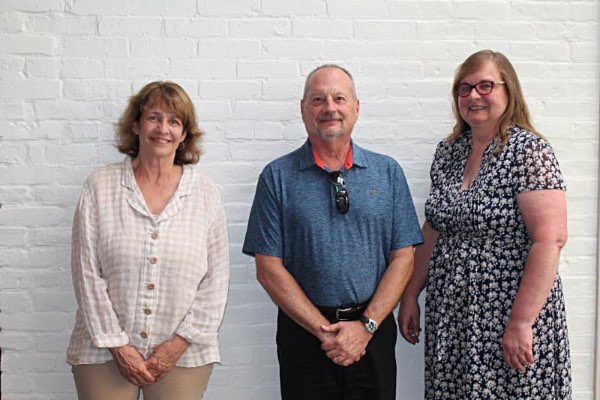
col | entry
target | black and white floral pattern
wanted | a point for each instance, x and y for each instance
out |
(475, 271)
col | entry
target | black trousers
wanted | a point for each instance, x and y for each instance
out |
(306, 373)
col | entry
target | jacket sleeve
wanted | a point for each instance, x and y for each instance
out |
(204, 317)
(90, 286)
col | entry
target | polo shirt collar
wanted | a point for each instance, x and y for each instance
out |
(306, 158)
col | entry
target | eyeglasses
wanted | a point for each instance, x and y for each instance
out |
(483, 88)
(342, 201)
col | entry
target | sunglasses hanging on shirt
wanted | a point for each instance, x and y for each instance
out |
(342, 201)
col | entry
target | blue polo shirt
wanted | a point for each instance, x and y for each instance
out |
(335, 258)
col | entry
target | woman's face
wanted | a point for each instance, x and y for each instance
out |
(482, 112)
(160, 131)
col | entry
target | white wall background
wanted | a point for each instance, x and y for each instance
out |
(68, 66)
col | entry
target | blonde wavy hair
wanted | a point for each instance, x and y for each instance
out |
(176, 99)
(516, 112)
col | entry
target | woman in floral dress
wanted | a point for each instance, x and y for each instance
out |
(495, 325)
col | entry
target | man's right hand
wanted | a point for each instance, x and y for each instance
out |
(131, 365)
(409, 321)
(349, 344)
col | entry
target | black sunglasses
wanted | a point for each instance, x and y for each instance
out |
(342, 201)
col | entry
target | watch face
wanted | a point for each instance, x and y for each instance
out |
(370, 325)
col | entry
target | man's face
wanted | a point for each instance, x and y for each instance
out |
(329, 109)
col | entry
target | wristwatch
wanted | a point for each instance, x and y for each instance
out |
(370, 325)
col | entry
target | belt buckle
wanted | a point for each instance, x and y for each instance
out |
(343, 310)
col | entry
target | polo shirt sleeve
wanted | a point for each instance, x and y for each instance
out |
(264, 232)
(406, 228)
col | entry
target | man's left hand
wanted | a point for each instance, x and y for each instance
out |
(349, 344)
(165, 356)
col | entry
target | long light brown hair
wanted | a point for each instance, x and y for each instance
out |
(176, 100)
(516, 112)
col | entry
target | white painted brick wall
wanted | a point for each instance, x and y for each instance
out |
(68, 66)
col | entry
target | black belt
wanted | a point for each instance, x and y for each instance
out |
(348, 312)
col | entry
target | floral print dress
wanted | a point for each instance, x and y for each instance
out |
(475, 271)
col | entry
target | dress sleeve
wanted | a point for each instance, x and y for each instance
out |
(437, 163)
(203, 319)
(536, 167)
(90, 286)
(406, 228)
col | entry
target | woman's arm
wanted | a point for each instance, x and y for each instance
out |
(409, 314)
(545, 215)
(92, 296)
(204, 317)
(90, 286)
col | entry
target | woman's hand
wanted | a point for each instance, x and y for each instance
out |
(517, 345)
(131, 365)
(409, 319)
(165, 356)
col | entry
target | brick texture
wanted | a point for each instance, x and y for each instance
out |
(67, 68)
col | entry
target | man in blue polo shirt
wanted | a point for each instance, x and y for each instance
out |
(332, 229)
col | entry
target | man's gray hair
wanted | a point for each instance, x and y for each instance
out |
(320, 67)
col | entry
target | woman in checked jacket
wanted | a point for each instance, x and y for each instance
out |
(149, 260)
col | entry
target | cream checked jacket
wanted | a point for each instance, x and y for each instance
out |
(138, 278)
